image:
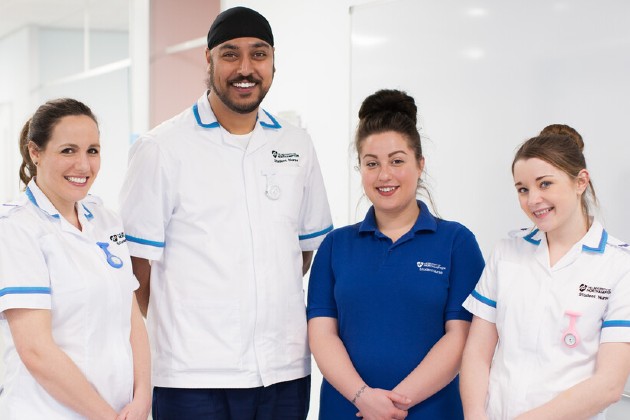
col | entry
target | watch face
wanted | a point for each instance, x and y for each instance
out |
(273, 192)
(569, 340)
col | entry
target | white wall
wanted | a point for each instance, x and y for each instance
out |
(488, 75)
(40, 60)
(106, 94)
(17, 70)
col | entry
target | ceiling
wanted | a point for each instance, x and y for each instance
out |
(102, 14)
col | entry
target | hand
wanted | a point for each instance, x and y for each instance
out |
(380, 404)
(138, 409)
(405, 406)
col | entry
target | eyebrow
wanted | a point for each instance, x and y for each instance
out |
(389, 155)
(259, 44)
(76, 146)
(537, 179)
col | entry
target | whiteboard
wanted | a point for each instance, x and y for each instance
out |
(489, 74)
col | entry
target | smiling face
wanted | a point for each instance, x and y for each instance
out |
(70, 161)
(390, 173)
(550, 197)
(241, 71)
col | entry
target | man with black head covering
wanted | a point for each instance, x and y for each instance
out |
(223, 206)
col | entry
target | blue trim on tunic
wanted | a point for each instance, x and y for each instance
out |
(616, 323)
(145, 241)
(195, 109)
(481, 298)
(88, 214)
(275, 124)
(30, 196)
(602, 244)
(530, 238)
(316, 234)
(24, 291)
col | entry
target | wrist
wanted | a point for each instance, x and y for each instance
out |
(357, 394)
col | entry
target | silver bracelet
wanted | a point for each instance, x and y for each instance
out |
(358, 394)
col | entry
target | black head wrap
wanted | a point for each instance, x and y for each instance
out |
(239, 22)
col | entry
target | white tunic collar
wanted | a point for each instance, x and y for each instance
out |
(205, 117)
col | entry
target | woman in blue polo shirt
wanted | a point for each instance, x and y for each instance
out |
(386, 325)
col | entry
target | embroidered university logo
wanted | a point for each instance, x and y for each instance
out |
(430, 267)
(593, 292)
(284, 157)
(118, 238)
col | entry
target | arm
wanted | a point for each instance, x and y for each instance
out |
(439, 367)
(476, 361)
(333, 360)
(51, 367)
(307, 257)
(593, 395)
(142, 271)
(141, 405)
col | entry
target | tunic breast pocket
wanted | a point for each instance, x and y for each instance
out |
(63, 274)
(284, 190)
(584, 311)
(514, 294)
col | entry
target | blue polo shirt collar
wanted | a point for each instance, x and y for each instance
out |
(594, 241)
(425, 221)
(205, 117)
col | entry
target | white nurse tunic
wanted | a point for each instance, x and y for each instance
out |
(84, 278)
(550, 320)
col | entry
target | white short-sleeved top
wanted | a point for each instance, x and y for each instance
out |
(540, 353)
(46, 263)
(225, 227)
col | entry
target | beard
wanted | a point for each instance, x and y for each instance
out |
(222, 94)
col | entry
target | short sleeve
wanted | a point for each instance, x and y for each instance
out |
(315, 220)
(321, 285)
(616, 325)
(466, 267)
(482, 302)
(24, 279)
(146, 200)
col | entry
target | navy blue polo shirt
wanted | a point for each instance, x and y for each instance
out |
(392, 300)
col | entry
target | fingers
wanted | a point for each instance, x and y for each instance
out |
(123, 414)
(401, 402)
(402, 414)
(398, 398)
